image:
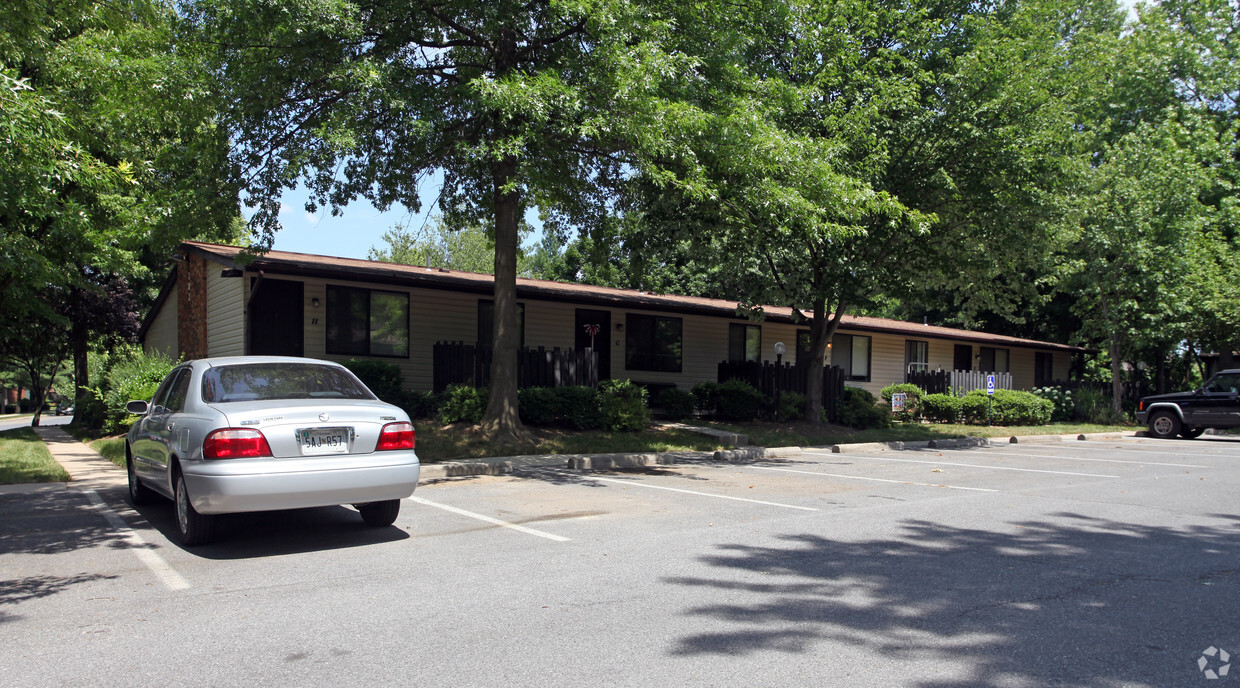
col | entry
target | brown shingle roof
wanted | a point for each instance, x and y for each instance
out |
(285, 262)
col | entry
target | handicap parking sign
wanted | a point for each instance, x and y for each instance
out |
(990, 385)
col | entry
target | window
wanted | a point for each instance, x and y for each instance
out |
(804, 342)
(366, 322)
(744, 342)
(486, 323)
(994, 360)
(1043, 368)
(916, 355)
(852, 353)
(652, 343)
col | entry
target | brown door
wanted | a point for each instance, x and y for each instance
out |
(277, 325)
(594, 329)
(962, 357)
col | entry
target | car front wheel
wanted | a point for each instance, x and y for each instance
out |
(138, 493)
(1164, 425)
(380, 514)
(192, 527)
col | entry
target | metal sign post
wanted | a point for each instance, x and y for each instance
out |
(990, 396)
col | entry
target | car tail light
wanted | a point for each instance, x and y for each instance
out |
(235, 443)
(395, 436)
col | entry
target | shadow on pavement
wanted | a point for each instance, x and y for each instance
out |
(1066, 601)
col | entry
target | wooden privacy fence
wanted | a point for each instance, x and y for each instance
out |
(944, 381)
(470, 364)
(768, 378)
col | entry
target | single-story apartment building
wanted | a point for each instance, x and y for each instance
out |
(221, 301)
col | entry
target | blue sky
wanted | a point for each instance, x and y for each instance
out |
(352, 233)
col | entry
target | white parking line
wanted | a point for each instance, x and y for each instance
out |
(877, 480)
(166, 574)
(488, 519)
(1081, 458)
(700, 494)
(967, 465)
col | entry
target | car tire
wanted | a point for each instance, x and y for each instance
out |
(139, 494)
(1191, 433)
(380, 514)
(1164, 425)
(193, 528)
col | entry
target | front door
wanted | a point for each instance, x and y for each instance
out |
(962, 357)
(594, 331)
(277, 318)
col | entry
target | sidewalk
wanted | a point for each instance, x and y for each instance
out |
(87, 469)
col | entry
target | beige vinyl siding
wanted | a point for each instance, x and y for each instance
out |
(225, 313)
(433, 316)
(161, 336)
(437, 315)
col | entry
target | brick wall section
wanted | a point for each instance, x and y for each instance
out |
(192, 307)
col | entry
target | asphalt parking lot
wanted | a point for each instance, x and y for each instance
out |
(1102, 563)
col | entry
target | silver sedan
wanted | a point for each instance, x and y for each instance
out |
(260, 433)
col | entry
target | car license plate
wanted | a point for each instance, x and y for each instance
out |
(324, 440)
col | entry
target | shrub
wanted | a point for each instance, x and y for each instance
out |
(417, 403)
(463, 404)
(974, 407)
(1093, 406)
(859, 409)
(737, 400)
(705, 395)
(1015, 407)
(676, 403)
(791, 407)
(539, 406)
(622, 406)
(134, 375)
(382, 377)
(912, 400)
(941, 408)
(1061, 401)
(579, 407)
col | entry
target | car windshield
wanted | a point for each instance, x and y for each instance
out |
(273, 381)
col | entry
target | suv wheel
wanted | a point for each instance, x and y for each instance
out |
(1164, 425)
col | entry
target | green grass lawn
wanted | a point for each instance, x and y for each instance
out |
(799, 434)
(24, 458)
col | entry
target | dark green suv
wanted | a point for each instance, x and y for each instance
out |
(1188, 414)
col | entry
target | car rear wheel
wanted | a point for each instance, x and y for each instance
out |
(1164, 425)
(192, 527)
(380, 514)
(138, 493)
(1191, 433)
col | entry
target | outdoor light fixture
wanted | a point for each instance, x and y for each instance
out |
(619, 327)
(780, 349)
(314, 302)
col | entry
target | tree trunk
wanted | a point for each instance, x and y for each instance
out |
(79, 342)
(1117, 380)
(501, 421)
(822, 328)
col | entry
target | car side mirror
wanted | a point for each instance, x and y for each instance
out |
(137, 408)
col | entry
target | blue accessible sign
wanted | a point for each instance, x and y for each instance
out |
(990, 385)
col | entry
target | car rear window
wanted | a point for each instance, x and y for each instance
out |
(273, 381)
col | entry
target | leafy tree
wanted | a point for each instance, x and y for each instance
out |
(518, 103)
(38, 348)
(871, 149)
(469, 249)
(116, 154)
